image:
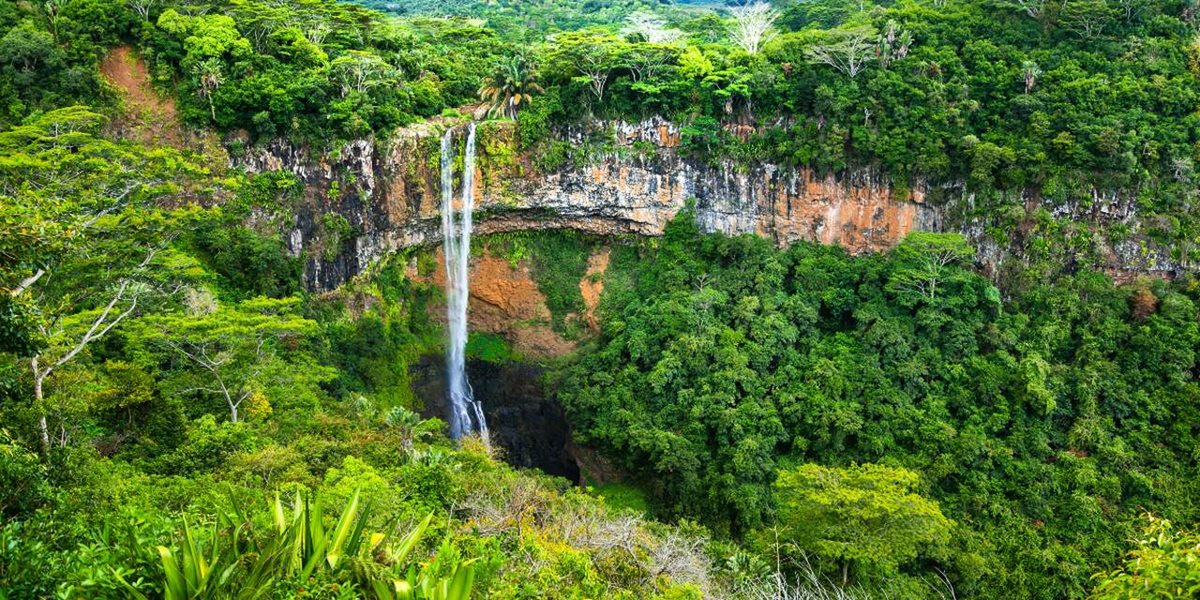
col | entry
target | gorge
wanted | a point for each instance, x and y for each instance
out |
(634, 184)
(628, 299)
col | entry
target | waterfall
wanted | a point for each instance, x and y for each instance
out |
(466, 415)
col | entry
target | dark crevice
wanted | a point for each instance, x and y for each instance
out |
(525, 421)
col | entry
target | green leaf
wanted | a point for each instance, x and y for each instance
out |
(342, 533)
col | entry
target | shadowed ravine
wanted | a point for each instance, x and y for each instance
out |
(527, 423)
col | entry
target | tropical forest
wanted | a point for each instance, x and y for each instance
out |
(599, 299)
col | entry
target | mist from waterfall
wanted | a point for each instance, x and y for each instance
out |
(466, 415)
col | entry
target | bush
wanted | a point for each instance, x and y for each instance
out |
(23, 484)
(209, 445)
(864, 515)
(1165, 564)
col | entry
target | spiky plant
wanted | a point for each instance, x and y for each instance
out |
(233, 562)
(510, 87)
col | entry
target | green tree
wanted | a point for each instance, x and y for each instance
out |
(864, 514)
(847, 50)
(929, 262)
(1165, 564)
(510, 87)
(234, 349)
(91, 228)
(586, 58)
(358, 72)
(1030, 72)
(820, 13)
(1087, 18)
(209, 79)
(32, 68)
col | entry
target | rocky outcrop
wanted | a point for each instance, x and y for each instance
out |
(635, 183)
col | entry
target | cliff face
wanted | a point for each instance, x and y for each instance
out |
(505, 300)
(388, 191)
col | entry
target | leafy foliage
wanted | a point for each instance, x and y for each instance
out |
(1036, 424)
(1163, 565)
(23, 479)
(864, 514)
(315, 70)
(510, 88)
(234, 351)
(248, 564)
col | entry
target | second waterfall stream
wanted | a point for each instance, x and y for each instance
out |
(466, 415)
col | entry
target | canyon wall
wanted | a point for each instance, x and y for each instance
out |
(638, 180)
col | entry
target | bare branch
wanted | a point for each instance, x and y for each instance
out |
(753, 26)
(28, 281)
(1032, 8)
(100, 327)
(650, 27)
(850, 53)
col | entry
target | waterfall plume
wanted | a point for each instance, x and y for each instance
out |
(466, 415)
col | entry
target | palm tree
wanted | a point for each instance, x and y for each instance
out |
(209, 75)
(1030, 71)
(510, 87)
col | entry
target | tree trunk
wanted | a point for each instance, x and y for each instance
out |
(845, 572)
(233, 416)
(38, 396)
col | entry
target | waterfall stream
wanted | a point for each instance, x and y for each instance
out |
(466, 415)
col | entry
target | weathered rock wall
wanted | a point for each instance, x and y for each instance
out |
(388, 191)
(505, 300)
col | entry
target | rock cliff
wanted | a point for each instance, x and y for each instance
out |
(387, 191)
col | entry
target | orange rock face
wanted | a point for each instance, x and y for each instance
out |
(861, 218)
(389, 191)
(592, 285)
(505, 301)
(640, 194)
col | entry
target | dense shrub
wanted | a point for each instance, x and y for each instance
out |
(23, 483)
(1038, 424)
